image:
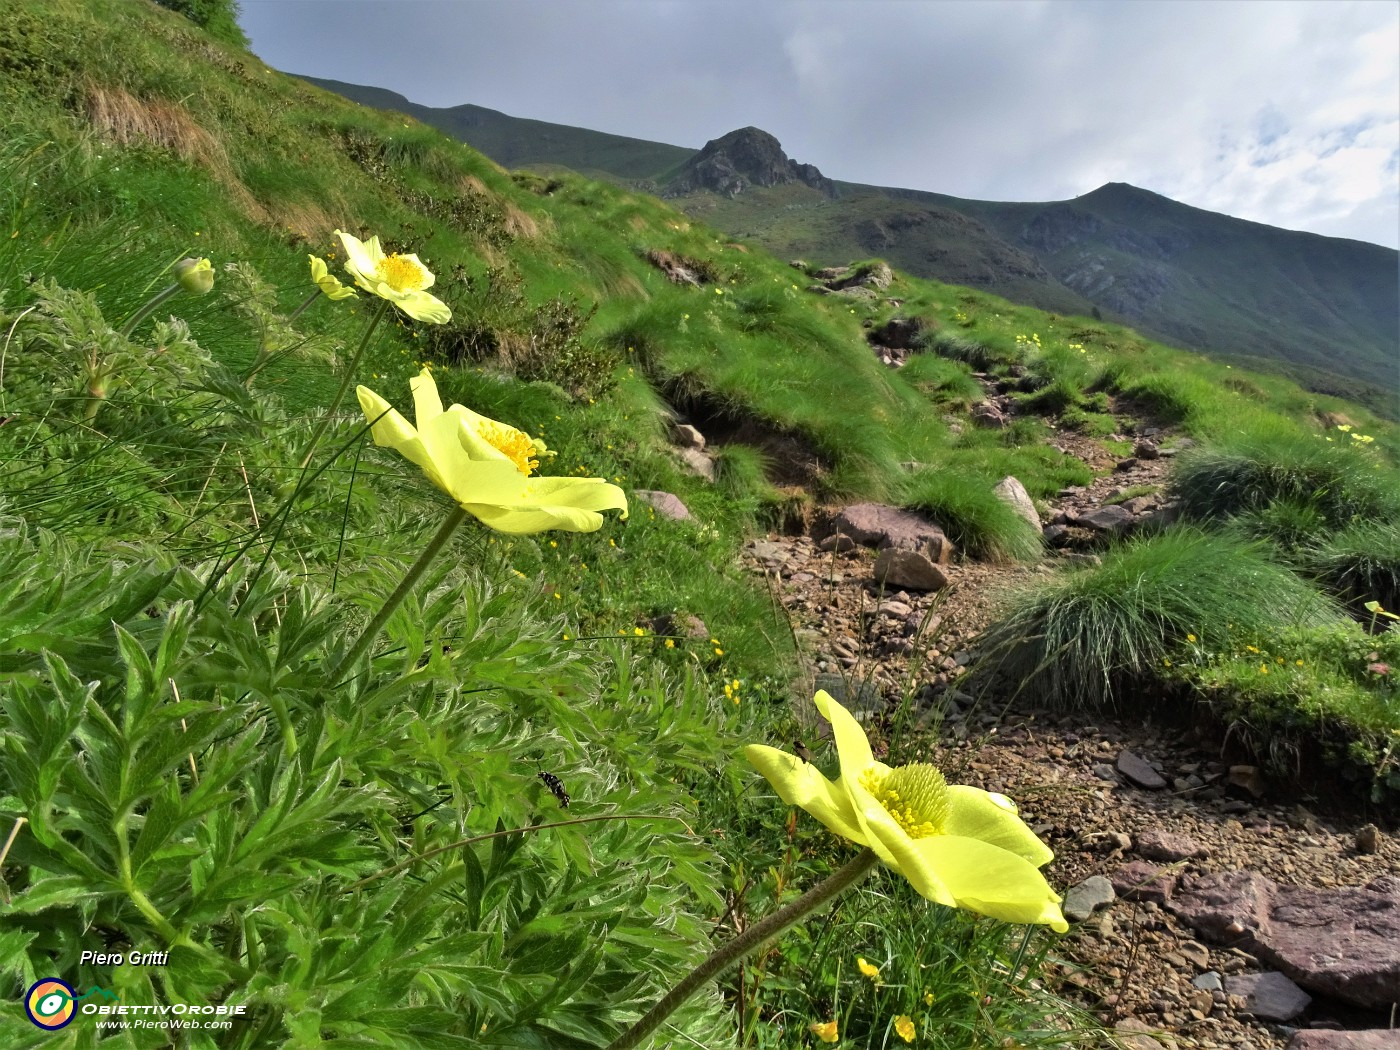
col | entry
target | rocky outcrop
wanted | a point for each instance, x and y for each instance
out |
(1340, 942)
(884, 527)
(748, 157)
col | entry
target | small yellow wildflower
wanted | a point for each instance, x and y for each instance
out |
(904, 1027)
(928, 998)
(670, 643)
(825, 1031)
(1190, 637)
(639, 632)
(1263, 668)
(868, 969)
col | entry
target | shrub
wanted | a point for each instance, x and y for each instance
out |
(1076, 640)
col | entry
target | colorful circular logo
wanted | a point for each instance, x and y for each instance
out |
(49, 1003)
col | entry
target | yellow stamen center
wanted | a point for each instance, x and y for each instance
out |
(916, 796)
(401, 273)
(518, 446)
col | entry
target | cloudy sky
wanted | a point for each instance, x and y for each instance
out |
(1282, 111)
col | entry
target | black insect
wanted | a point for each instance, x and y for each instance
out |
(556, 788)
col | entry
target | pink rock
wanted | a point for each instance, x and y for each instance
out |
(1157, 844)
(1342, 942)
(1325, 1039)
(1143, 880)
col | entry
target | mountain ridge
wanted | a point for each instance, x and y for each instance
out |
(1323, 310)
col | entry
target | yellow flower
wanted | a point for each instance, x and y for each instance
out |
(1190, 637)
(323, 280)
(825, 1031)
(195, 276)
(868, 969)
(904, 1027)
(958, 846)
(485, 465)
(670, 643)
(928, 998)
(397, 278)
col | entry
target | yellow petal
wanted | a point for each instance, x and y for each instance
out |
(538, 504)
(977, 814)
(419, 305)
(982, 878)
(391, 430)
(801, 784)
(426, 402)
(852, 745)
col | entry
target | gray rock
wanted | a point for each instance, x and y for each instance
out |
(1269, 996)
(667, 504)
(854, 696)
(1327, 1039)
(698, 463)
(840, 543)
(772, 556)
(903, 568)
(1106, 519)
(1157, 844)
(1086, 898)
(1339, 942)
(1207, 982)
(1056, 535)
(1139, 772)
(1011, 492)
(686, 436)
(1104, 771)
(988, 415)
(1146, 449)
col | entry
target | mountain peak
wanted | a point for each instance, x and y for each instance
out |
(746, 157)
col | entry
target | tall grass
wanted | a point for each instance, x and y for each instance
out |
(965, 506)
(1077, 640)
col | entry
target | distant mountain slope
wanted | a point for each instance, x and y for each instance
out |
(1321, 309)
(515, 142)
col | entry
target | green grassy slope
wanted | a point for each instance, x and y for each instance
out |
(518, 142)
(369, 854)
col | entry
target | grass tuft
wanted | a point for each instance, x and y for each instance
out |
(1074, 641)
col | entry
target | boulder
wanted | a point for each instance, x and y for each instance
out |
(1269, 996)
(696, 462)
(1011, 492)
(667, 504)
(1330, 1039)
(1156, 844)
(686, 436)
(1339, 942)
(1143, 880)
(905, 568)
(1106, 519)
(882, 526)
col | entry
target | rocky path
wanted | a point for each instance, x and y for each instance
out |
(1171, 856)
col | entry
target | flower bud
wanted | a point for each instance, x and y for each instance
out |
(195, 276)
